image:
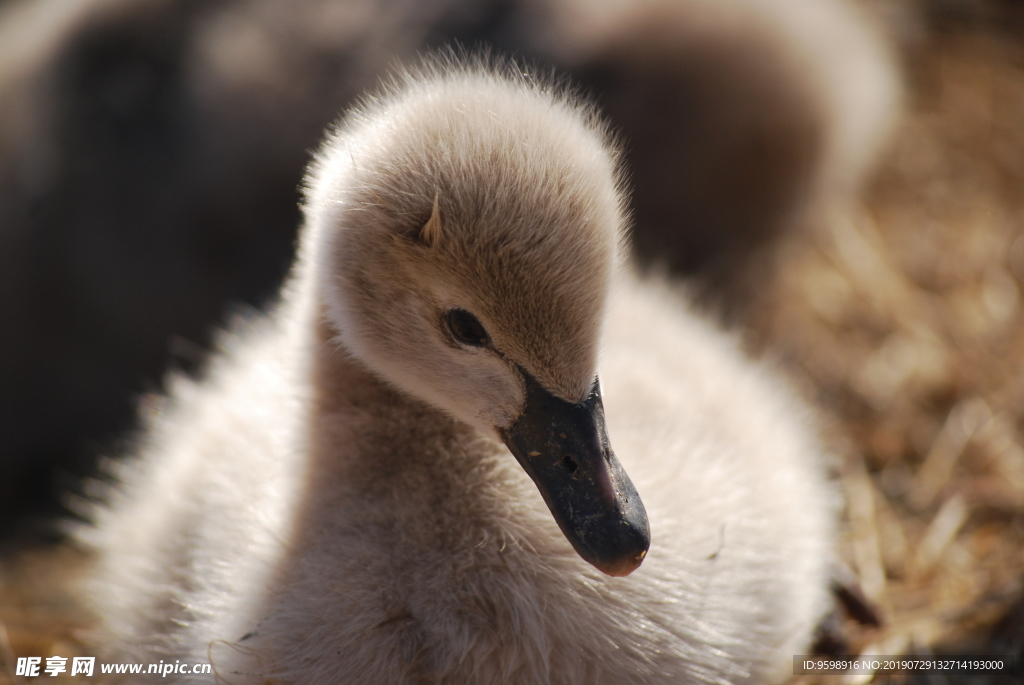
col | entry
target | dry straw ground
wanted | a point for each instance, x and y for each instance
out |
(902, 318)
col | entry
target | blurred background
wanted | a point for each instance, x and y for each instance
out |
(151, 151)
(840, 181)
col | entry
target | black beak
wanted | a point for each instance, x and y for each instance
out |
(564, 447)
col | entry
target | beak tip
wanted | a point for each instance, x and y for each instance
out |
(621, 554)
(621, 568)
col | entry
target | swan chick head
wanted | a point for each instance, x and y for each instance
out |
(464, 227)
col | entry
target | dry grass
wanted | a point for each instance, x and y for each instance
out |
(903, 319)
(39, 615)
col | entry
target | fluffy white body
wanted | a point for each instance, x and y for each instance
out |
(332, 504)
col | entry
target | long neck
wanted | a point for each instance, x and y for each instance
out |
(400, 509)
(392, 453)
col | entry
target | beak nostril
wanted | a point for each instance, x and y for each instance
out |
(570, 464)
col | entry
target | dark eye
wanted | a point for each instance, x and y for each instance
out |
(465, 328)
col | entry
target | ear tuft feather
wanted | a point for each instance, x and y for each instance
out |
(430, 234)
